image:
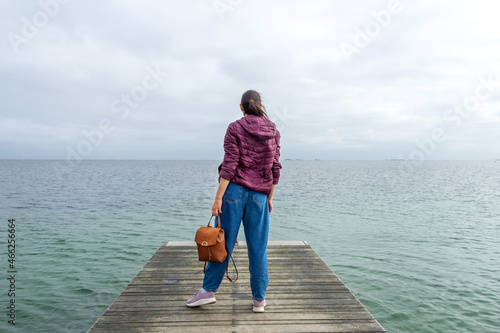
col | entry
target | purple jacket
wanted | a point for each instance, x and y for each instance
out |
(252, 151)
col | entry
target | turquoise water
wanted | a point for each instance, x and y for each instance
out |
(420, 250)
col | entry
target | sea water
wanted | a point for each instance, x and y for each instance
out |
(419, 246)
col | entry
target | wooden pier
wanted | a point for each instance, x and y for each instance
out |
(304, 295)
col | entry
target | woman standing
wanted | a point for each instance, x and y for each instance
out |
(247, 178)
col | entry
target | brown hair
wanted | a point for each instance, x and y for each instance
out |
(251, 103)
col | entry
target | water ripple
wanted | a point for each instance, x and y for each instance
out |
(420, 251)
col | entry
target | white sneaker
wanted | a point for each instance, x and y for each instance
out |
(258, 306)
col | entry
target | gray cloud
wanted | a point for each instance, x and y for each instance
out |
(71, 76)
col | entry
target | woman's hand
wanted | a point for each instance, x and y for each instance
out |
(217, 207)
(270, 198)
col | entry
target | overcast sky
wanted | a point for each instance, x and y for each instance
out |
(163, 79)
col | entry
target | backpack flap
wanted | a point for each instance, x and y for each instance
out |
(209, 236)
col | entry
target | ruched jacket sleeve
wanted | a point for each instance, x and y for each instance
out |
(276, 161)
(231, 153)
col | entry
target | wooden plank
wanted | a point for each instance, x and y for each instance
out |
(304, 295)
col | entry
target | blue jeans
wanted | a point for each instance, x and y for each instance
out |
(241, 204)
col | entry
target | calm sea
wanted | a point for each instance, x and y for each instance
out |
(421, 250)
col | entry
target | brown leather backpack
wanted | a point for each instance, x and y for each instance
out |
(211, 245)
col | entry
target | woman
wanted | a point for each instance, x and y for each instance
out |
(247, 178)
